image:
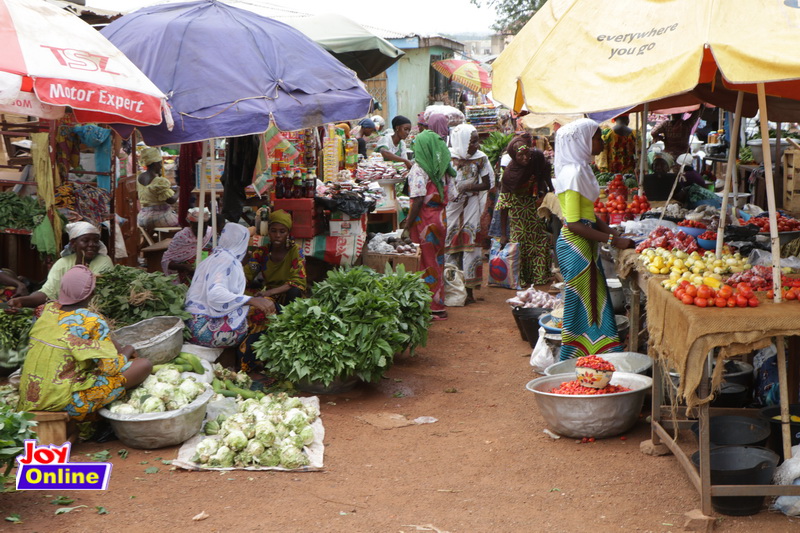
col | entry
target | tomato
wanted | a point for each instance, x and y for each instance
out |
(790, 295)
(725, 292)
(720, 302)
(752, 302)
(704, 291)
(747, 292)
(731, 302)
(701, 302)
(688, 300)
(679, 294)
(684, 283)
(691, 290)
(741, 301)
(770, 294)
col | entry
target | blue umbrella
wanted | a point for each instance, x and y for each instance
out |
(226, 71)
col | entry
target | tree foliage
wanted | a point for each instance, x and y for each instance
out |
(511, 14)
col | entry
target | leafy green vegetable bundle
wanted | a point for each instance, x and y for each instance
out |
(19, 212)
(14, 330)
(355, 323)
(15, 427)
(127, 295)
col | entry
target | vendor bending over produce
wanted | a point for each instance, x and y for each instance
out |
(182, 251)
(11, 285)
(281, 264)
(84, 248)
(222, 315)
(73, 365)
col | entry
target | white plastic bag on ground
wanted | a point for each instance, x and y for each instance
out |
(455, 289)
(542, 356)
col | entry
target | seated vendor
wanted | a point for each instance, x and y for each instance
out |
(366, 128)
(180, 256)
(73, 365)
(11, 285)
(280, 267)
(155, 194)
(84, 248)
(393, 147)
(222, 315)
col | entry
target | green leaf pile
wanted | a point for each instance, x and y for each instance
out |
(14, 330)
(127, 295)
(494, 146)
(19, 212)
(354, 325)
(15, 427)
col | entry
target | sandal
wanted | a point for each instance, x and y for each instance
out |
(439, 316)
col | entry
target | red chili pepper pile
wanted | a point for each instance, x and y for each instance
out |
(574, 388)
(595, 363)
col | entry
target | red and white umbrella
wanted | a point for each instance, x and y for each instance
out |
(50, 59)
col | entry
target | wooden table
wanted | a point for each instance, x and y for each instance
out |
(732, 333)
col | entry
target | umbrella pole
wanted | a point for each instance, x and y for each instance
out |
(212, 150)
(729, 173)
(776, 269)
(643, 155)
(201, 204)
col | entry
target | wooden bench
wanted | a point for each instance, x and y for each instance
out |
(153, 253)
(54, 427)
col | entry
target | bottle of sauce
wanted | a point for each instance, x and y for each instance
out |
(297, 184)
(311, 184)
(279, 191)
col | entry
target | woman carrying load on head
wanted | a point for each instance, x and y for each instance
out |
(73, 364)
(474, 178)
(526, 179)
(426, 223)
(589, 326)
(84, 248)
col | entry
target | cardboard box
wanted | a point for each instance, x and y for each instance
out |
(348, 228)
(378, 262)
(214, 170)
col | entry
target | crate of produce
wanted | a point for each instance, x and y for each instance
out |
(377, 261)
(791, 180)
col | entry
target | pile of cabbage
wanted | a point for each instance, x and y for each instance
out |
(166, 390)
(268, 432)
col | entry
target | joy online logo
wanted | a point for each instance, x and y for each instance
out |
(48, 468)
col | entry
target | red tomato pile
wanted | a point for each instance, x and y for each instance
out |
(617, 186)
(692, 224)
(726, 296)
(616, 204)
(790, 291)
(639, 204)
(784, 223)
(595, 363)
(573, 388)
(661, 237)
(708, 235)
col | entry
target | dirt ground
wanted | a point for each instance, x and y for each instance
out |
(484, 466)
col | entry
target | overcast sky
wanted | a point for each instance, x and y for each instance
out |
(419, 16)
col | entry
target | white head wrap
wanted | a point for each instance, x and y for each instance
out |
(218, 284)
(79, 229)
(193, 214)
(459, 142)
(574, 157)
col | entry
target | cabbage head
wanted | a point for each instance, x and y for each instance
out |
(270, 457)
(311, 412)
(223, 458)
(123, 409)
(191, 388)
(177, 401)
(295, 418)
(249, 406)
(153, 405)
(292, 402)
(265, 432)
(233, 423)
(292, 457)
(205, 449)
(252, 452)
(235, 440)
(162, 390)
(169, 375)
(148, 382)
(307, 435)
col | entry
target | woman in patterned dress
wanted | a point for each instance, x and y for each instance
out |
(525, 181)
(620, 144)
(426, 222)
(589, 326)
(73, 365)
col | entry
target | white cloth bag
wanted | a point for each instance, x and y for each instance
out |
(455, 289)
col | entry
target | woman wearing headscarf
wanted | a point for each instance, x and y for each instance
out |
(422, 124)
(180, 256)
(222, 315)
(84, 248)
(474, 178)
(155, 194)
(620, 143)
(526, 179)
(438, 123)
(393, 147)
(279, 267)
(589, 326)
(426, 223)
(73, 365)
(365, 129)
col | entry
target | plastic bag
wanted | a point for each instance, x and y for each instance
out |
(646, 226)
(542, 356)
(455, 290)
(763, 257)
(504, 265)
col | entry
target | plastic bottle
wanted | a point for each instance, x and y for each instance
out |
(297, 184)
(351, 154)
(311, 184)
(279, 191)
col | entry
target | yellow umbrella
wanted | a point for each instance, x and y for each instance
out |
(577, 56)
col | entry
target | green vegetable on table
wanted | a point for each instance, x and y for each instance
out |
(19, 212)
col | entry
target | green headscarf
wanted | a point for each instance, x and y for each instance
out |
(281, 217)
(431, 153)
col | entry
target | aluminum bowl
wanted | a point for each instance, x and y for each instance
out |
(158, 339)
(598, 416)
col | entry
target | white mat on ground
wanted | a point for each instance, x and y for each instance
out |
(315, 451)
(203, 352)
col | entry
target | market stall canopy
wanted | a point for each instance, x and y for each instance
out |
(675, 45)
(468, 73)
(227, 71)
(349, 42)
(52, 59)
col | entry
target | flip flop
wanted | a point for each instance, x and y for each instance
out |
(437, 317)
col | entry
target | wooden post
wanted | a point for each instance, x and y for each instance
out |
(202, 203)
(643, 157)
(776, 269)
(730, 174)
